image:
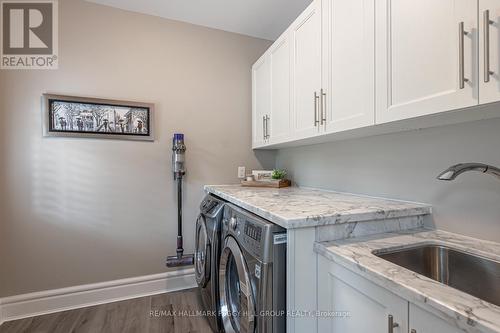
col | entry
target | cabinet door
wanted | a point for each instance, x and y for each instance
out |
(280, 117)
(489, 56)
(261, 98)
(306, 70)
(424, 322)
(368, 305)
(420, 57)
(348, 64)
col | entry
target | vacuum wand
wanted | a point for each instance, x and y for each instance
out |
(178, 161)
(180, 249)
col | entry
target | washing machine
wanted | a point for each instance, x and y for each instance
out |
(252, 273)
(206, 257)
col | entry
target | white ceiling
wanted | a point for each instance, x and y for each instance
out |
(265, 19)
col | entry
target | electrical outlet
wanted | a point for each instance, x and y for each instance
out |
(242, 172)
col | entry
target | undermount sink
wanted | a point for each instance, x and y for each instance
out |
(472, 274)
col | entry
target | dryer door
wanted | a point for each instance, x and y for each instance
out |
(202, 253)
(236, 296)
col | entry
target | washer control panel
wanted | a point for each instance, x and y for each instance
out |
(253, 231)
(252, 237)
(247, 232)
(253, 234)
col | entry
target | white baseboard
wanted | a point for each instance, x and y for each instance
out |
(50, 301)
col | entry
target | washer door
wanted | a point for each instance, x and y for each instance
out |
(202, 253)
(236, 298)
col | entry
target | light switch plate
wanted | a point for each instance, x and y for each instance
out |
(242, 172)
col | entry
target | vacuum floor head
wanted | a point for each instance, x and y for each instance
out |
(179, 261)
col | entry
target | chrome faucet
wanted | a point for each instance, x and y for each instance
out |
(452, 172)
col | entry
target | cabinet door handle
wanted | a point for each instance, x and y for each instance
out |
(323, 107)
(461, 65)
(391, 325)
(267, 127)
(264, 127)
(486, 45)
(316, 97)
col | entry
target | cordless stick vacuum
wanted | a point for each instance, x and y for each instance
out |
(178, 151)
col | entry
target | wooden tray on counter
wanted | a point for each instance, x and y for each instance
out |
(267, 183)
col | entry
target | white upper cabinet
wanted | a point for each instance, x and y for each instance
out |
(343, 65)
(261, 101)
(348, 64)
(489, 56)
(281, 85)
(306, 70)
(426, 57)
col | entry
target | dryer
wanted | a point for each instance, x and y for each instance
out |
(206, 257)
(252, 273)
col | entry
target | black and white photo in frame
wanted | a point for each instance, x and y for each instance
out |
(71, 116)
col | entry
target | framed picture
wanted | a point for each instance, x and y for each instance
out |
(71, 116)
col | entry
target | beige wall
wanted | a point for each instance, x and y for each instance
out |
(405, 166)
(78, 211)
(3, 160)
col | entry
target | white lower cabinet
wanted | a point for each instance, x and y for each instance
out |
(422, 321)
(369, 307)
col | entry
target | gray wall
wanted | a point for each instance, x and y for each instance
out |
(405, 165)
(76, 211)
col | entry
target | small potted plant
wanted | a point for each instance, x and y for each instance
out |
(278, 174)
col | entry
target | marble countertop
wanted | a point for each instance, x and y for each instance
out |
(296, 207)
(467, 312)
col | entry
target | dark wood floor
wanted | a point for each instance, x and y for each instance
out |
(147, 314)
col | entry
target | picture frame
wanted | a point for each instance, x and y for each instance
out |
(85, 117)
